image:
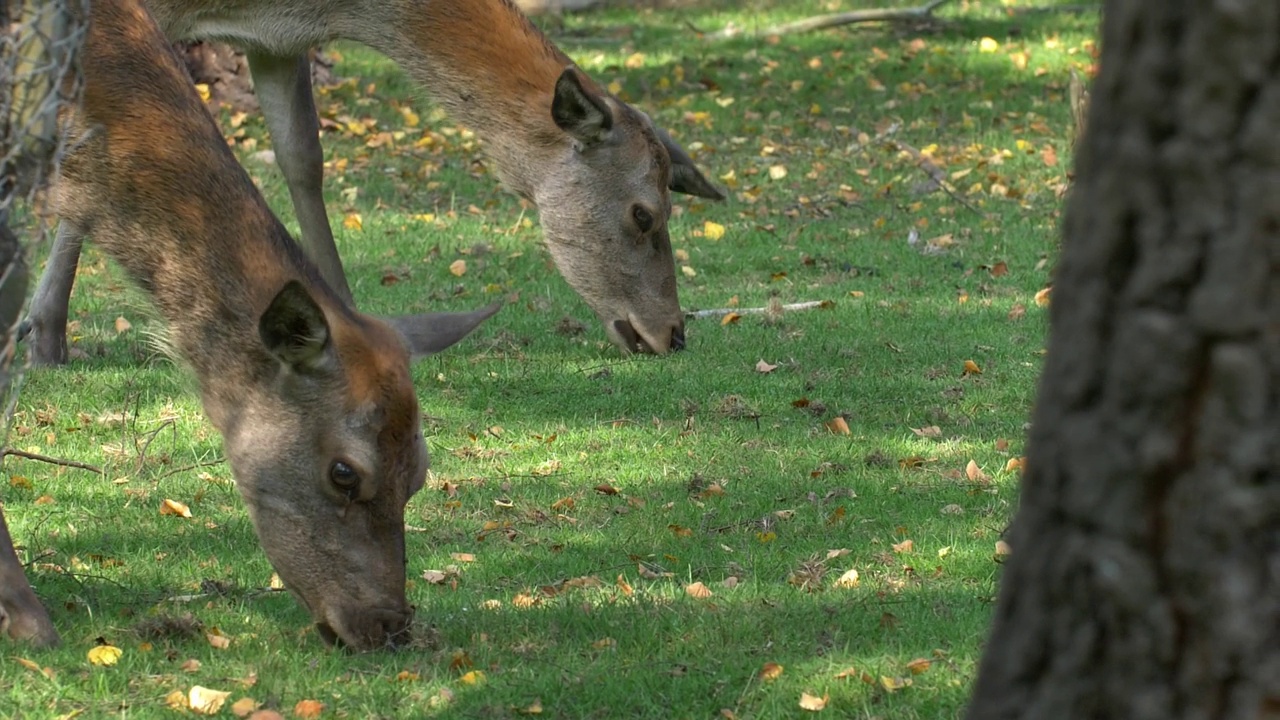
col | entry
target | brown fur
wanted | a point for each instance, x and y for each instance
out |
(294, 378)
(497, 74)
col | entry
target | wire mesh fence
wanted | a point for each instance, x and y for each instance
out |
(39, 75)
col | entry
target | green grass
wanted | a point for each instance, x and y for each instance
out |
(719, 475)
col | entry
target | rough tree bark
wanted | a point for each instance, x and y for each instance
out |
(1144, 581)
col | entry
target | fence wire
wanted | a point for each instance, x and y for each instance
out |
(39, 75)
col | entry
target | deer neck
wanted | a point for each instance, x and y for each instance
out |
(494, 72)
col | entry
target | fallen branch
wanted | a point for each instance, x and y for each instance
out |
(721, 312)
(935, 173)
(822, 22)
(51, 460)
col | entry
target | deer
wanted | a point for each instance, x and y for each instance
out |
(314, 401)
(598, 170)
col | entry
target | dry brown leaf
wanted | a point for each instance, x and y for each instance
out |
(838, 425)
(244, 707)
(463, 557)
(697, 590)
(971, 368)
(176, 700)
(730, 318)
(1017, 464)
(770, 672)
(764, 367)
(813, 703)
(905, 546)
(932, 431)
(266, 715)
(974, 473)
(435, 577)
(1000, 269)
(606, 489)
(307, 709)
(475, 677)
(833, 554)
(190, 666)
(1042, 297)
(122, 325)
(1002, 549)
(175, 508)
(217, 639)
(458, 268)
(625, 586)
(893, 684)
(919, 665)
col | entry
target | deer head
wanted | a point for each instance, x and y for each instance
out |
(327, 448)
(604, 208)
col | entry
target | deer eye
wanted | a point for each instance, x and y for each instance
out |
(345, 478)
(642, 217)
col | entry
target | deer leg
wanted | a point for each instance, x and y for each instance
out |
(283, 86)
(22, 617)
(45, 328)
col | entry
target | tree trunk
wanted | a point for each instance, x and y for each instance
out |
(1144, 580)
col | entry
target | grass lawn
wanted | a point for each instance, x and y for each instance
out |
(603, 536)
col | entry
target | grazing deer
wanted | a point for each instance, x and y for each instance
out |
(598, 170)
(318, 414)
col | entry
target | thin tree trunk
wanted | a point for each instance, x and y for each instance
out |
(1144, 580)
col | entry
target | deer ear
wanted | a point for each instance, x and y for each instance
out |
(294, 330)
(580, 111)
(433, 332)
(685, 176)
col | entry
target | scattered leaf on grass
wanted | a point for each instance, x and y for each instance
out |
(1017, 464)
(764, 367)
(625, 586)
(606, 489)
(1042, 297)
(974, 473)
(697, 590)
(458, 268)
(770, 672)
(475, 677)
(777, 172)
(812, 703)
(893, 684)
(905, 546)
(122, 325)
(176, 700)
(307, 709)
(838, 425)
(932, 431)
(206, 701)
(19, 482)
(266, 715)
(712, 230)
(191, 665)
(217, 639)
(244, 707)
(533, 708)
(730, 318)
(175, 508)
(848, 580)
(971, 368)
(919, 665)
(1002, 549)
(463, 557)
(105, 655)
(435, 577)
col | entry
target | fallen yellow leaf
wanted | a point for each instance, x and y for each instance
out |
(838, 425)
(205, 700)
(105, 655)
(244, 707)
(458, 267)
(730, 318)
(988, 45)
(971, 368)
(122, 325)
(812, 703)
(1042, 297)
(712, 230)
(353, 221)
(919, 665)
(848, 580)
(770, 672)
(475, 677)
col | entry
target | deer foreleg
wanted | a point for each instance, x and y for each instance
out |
(45, 328)
(22, 617)
(283, 86)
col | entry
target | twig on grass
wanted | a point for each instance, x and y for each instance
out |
(822, 22)
(936, 174)
(51, 460)
(192, 466)
(721, 312)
